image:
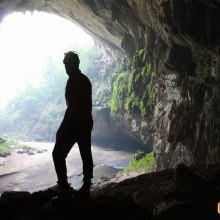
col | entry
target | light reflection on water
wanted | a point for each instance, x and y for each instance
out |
(23, 172)
(100, 171)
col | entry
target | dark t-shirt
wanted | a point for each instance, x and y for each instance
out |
(79, 100)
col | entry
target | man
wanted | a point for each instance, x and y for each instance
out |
(76, 127)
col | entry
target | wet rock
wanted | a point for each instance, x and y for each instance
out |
(5, 154)
(180, 210)
(30, 151)
(14, 204)
(187, 183)
(161, 195)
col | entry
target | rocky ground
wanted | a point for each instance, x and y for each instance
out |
(180, 193)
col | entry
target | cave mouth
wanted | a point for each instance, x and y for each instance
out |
(32, 44)
(28, 41)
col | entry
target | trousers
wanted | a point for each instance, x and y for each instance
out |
(67, 135)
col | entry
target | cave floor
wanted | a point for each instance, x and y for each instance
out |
(180, 193)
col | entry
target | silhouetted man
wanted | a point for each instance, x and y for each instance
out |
(76, 127)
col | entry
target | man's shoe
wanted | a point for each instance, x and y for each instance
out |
(83, 192)
(64, 195)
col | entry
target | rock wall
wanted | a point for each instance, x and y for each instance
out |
(182, 40)
(103, 128)
(186, 117)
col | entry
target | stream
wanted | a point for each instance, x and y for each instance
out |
(23, 172)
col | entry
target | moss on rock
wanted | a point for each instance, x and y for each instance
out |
(134, 92)
(119, 92)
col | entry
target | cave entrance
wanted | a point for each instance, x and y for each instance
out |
(34, 79)
(29, 41)
(32, 48)
(32, 91)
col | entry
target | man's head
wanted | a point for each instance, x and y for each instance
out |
(71, 60)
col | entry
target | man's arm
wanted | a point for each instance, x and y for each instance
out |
(66, 96)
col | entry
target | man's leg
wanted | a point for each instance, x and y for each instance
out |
(60, 152)
(84, 143)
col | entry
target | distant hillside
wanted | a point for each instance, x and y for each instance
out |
(36, 112)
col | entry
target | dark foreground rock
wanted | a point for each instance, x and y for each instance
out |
(180, 193)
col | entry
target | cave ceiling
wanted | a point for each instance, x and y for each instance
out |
(108, 21)
(125, 24)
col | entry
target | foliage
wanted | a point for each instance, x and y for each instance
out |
(102, 96)
(32, 111)
(38, 111)
(151, 91)
(103, 88)
(145, 164)
(136, 93)
(141, 86)
(7, 145)
(119, 92)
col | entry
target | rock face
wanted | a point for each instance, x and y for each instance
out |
(182, 42)
(116, 134)
(103, 128)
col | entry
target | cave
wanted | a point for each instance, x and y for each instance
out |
(179, 40)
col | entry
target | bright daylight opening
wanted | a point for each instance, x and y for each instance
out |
(32, 101)
(27, 42)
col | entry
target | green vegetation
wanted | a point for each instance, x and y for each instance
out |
(101, 93)
(145, 164)
(104, 96)
(119, 92)
(151, 93)
(7, 145)
(134, 93)
(104, 88)
(141, 86)
(37, 111)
